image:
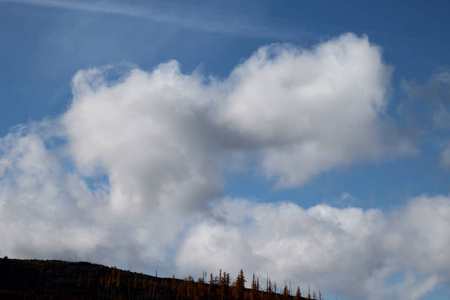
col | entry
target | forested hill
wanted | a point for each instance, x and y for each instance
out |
(53, 279)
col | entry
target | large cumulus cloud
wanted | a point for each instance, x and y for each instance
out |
(310, 111)
(301, 112)
(132, 173)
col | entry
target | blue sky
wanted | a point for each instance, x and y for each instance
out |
(149, 134)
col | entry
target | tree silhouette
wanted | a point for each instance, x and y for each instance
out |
(286, 294)
(31, 279)
(298, 294)
(239, 286)
(254, 294)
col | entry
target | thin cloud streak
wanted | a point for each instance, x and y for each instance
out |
(230, 24)
(90, 7)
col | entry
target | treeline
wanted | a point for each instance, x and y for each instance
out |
(50, 279)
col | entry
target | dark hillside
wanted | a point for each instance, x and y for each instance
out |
(53, 279)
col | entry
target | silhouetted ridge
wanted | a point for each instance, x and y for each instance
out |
(55, 279)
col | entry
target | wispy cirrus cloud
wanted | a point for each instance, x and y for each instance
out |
(195, 18)
(94, 6)
(433, 98)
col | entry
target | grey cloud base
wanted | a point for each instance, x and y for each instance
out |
(138, 178)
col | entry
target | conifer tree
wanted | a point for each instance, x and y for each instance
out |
(254, 294)
(269, 290)
(239, 286)
(286, 294)
(298, 294)
(224, 285)
(211, 286)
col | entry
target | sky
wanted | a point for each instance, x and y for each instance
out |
(306, 141)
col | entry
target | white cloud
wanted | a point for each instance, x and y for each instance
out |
(38, 200)
(159, 136)
(47, 211)
(308, 111)
(351, 251)
(424, 235)
(149, 135)
(131, 174)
